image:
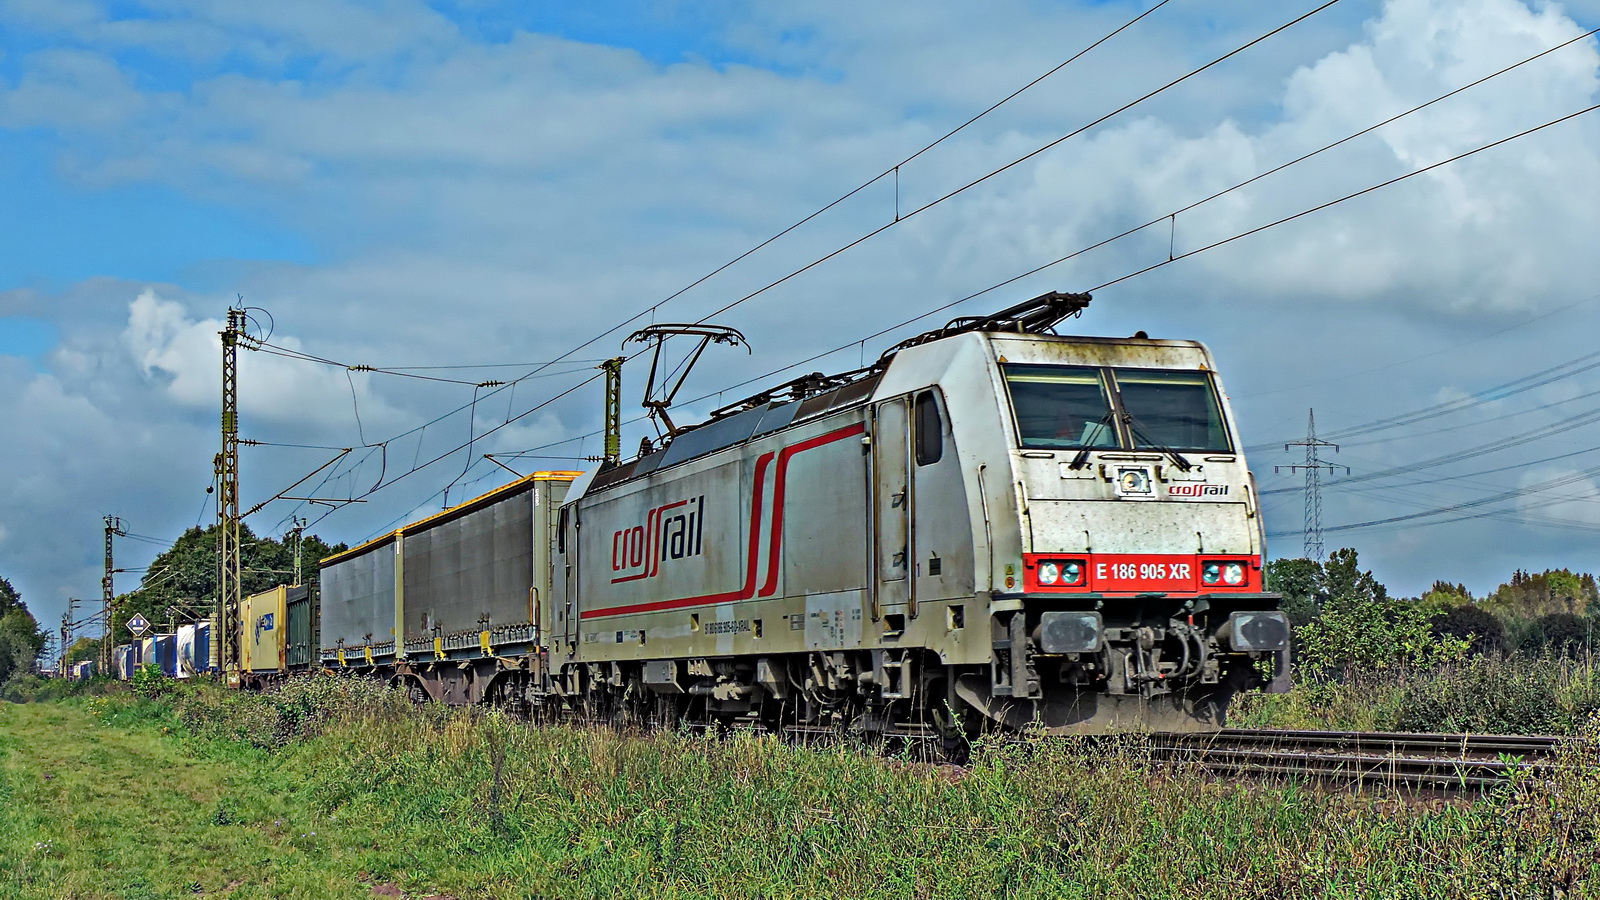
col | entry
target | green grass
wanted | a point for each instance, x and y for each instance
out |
(331, 787)
(1515, 694)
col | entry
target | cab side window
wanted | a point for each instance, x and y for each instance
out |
(928, 426)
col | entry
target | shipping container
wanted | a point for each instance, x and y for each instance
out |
(358, 610)
(303, 649)
(194, 649)
(472, 575)
(166, 654)
(204, 660)
(126, 657)
(185, 651)
(465, 583)
(262, 618)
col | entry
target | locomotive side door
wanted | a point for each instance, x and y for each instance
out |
(891, 508)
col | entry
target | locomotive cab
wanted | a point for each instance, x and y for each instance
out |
(1117, 540)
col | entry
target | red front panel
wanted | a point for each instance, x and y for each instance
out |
(1140, 573)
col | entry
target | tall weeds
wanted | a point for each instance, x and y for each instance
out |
(1514, 694)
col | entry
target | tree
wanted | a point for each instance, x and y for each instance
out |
(1300, 581)
(21, 640)
(83, 648)
(1551, 591)
(184, 578)
(1566, 634)
(1343, 579)
(1360, 629)
(1481, 629)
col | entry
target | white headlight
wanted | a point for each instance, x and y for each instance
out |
(1210, 573)
(1049, 573)
(1233, 573)
(1072, 572)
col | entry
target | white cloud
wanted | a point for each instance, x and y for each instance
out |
(1573, 498)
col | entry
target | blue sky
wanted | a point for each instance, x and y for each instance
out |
(401, 182)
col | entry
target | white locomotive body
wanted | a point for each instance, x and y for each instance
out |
(992, 525)
(1045, 531)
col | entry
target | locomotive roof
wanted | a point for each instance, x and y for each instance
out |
(816, 394)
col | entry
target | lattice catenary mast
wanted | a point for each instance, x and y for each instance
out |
(227, 465)
(1313, 467)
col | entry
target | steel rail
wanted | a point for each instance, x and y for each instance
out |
(1452, 762)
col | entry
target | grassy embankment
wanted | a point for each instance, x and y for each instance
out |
(331, 787)
(1492, 694)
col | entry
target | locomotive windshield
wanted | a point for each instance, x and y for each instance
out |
(1167, 409)
(1071, 408)
(1061, 407)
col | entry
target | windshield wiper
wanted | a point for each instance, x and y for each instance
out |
(1140, 436)
(1082, 459)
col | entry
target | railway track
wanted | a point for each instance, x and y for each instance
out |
(1444, 762)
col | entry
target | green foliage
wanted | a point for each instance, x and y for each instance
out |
(185, 576)
(300, 708)
(38, 689)
(1566, 634)
(147, 681)
(83, 648)
(1497, 694)
(1300, 581)
(1482, 630)
(1360, 629)
(1343, 579)
(1552, 591)
(1444, 596)
(21, 640)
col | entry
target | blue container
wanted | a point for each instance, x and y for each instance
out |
(202, 647)
(166, 647)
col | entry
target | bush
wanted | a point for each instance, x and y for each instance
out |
(1481, 629)
(34, 689)
(1566, 634)
(301, 707)
(147, 681)
(1483, 694)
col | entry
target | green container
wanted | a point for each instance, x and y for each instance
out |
(301, 653)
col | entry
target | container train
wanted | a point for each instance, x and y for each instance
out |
(182, 653)
(992, 526)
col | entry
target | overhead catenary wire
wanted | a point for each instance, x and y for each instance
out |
(1013, 163)
(946, 196)
(1167, 215)
(893, 169)
(951, 305)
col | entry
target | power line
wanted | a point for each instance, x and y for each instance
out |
(396, 370)
(1015, 162)
(1363, 191)
(1171, 259)
(1155, 221)
(892, 170)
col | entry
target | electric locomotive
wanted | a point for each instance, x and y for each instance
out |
(994, 524)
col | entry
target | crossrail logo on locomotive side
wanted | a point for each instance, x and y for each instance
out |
(670, 532)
